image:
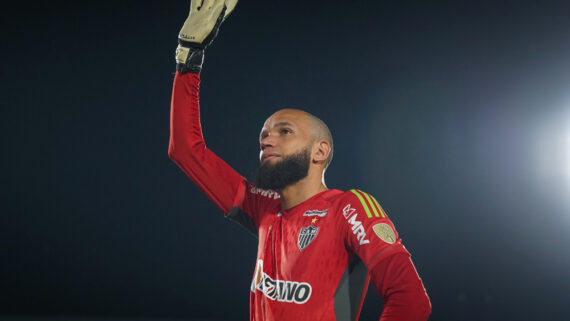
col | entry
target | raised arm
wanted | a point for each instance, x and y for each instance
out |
(187, 148)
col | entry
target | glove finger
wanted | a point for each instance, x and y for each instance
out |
(215, 9)
(195, 4)
(201, 20)
(208, 4)
(230, 5)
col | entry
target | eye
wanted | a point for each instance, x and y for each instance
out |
(284, 131)
(262, 135)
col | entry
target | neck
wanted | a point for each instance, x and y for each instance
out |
(302, 190)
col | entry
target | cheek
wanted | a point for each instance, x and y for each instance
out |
(292, 147)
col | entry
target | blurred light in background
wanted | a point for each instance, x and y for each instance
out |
(568, 148)
(551, 153)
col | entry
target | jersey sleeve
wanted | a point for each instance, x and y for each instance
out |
(369, 233)
(220, 182)
(400, 287)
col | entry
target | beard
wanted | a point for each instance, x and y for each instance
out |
(290, 170)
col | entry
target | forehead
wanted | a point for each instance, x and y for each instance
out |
(290, 117)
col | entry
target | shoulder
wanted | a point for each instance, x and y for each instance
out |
(261, 199)
(266, 194)
(355, 200)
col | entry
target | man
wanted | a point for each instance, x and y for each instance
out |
(318, 247)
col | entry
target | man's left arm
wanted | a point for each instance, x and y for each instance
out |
(397, 282)
(372, 237)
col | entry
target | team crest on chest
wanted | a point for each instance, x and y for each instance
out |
(306, 236)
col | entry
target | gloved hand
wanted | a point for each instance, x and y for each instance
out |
(199, 30)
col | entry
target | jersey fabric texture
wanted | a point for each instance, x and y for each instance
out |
(314, 260)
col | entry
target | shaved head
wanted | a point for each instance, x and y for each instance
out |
(294, 145)
(318, 129)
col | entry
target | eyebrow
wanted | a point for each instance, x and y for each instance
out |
(279, 124)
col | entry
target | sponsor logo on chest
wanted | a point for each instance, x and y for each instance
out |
(280, 290)
(318, 213)
(357, 228)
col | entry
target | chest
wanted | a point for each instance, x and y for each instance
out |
(297, 244)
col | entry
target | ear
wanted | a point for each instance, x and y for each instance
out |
(321, 150)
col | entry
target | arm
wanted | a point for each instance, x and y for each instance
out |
(188, 150)
(398, 284)
(372, 236)
(187, 147)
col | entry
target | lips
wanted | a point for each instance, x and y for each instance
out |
(268, 156)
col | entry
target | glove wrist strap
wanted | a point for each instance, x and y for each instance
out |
(190, 55)
(189, 59)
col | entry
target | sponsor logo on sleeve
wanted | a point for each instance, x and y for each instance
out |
(280, 290)
(357, 227)
(347, 211)
(385, 233)
(318, 213)
(265, 192)
(306, 236)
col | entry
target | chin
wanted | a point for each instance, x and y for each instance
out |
(276, 174)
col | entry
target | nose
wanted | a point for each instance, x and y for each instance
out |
(266, 142)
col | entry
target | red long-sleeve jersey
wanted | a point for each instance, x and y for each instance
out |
(314, 260)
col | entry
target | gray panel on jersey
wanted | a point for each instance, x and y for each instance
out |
(240, 217)
(350, 291)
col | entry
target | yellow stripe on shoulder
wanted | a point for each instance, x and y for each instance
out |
(379, 207)
(363, 202)
(368, 196)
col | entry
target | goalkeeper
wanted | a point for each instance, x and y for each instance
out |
(318, 247)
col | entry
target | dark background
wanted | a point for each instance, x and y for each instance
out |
(456, 116)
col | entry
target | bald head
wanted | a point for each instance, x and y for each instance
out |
(318, 130)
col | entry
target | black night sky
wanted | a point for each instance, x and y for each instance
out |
(454, 115)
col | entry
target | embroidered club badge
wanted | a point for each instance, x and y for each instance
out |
(385, 233)
(306, 236)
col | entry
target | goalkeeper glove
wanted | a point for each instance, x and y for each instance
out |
(199, 30)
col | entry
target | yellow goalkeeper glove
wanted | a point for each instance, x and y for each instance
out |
(199, 30)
